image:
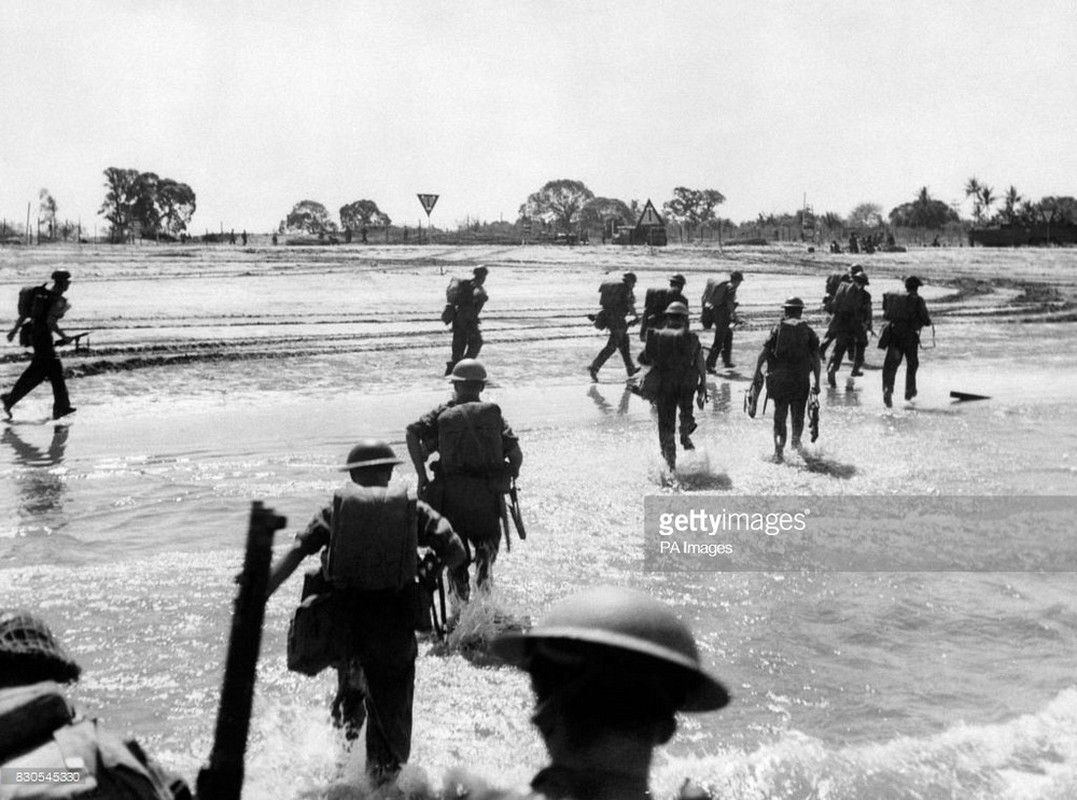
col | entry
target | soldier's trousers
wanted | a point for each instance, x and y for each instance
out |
(789, 405)
(723, 340)
(45, 365)
(851, 338)
(668, 402)
(466, 341)
(907, 346)
(618, 341)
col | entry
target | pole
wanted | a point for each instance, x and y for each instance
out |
(28, 239)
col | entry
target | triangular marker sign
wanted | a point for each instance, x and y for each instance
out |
(649, 217)
(428, 201)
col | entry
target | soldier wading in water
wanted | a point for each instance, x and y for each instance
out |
(478, 456)
(368, 538)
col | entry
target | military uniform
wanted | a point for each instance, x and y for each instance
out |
(368, 538)
(721, 299)
(49, 307)
(906, 314)
(615, 313)
(656, 301)
(850, 325)
(791, 353)
(466, 332)
(471, 476)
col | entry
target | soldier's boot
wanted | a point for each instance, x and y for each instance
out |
(888, 394)
(831, 380)
(448, 367)
(593, 371)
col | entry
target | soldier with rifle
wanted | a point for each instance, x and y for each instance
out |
(791, 356)
(40, 311)
(368, 537)
(60, 752)
(478, 458)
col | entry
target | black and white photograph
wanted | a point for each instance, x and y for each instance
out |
(591, 401)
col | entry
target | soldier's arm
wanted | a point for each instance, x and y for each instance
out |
(308, 542)
(15, 329)
(816, 362)
(417, 453)
(436, 533)
(921, 309)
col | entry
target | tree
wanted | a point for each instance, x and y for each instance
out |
(987, 199)
(693, 208)
(47, 210)
(309, 216)
(175, 205)
(866, 215)
(597, 211)
(558, 202)
(118, 207)
(972, 189)
(923, 212)
(361, 213)
(1057, 209)
(1012, 198)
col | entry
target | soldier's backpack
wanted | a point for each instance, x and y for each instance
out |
(846, 302)
(833, 283)
(897, 306)
(373, 539)
(33, 304)
(791, 340)
(611, 294)
(668, 348)
(458, 291)
(469, 440)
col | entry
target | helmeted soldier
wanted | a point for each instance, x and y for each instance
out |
(41, 732)
(618, 302)
(906, 314)
(851, 324)
(677, 374)
(42, 319)
(610, 668)
(369, 537)
(463, 309)
(657, 300)
(718, 307)
(791, 355)
(478, 456)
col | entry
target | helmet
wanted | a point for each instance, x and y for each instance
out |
(27, 647)
(618, 619)
(736, 276)
(912, 282)
(630, 277)
(855, 269)
(370, 453)
(678, 279)
(676, 309)
(468, 369)
(61, 276)
(861, 277)
(479, 270)
(793, 302)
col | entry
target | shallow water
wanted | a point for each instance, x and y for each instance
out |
(226, 376)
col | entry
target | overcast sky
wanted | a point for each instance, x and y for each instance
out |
(260, 105)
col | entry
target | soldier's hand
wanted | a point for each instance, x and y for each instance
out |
(701, 399)
(11, 336)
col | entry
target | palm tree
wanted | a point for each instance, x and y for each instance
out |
(972, 189)
(1012, 199)
(987, 197)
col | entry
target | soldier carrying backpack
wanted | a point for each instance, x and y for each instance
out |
(677, 373)
(618, 302)
(464, 300)
(40, 310)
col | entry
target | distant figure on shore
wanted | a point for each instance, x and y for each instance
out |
(478, 458)
(677, 373)
(834, 246)
(368, 536)
(42, 733)
(244, 238)
(719, 308)
(274, 239)
(656, 301)
(362, 233)
(854, 247)
(935, 242)
(39, 318)
(610, 669)
(232, 236)
(618, 302)
(906, 314)
(791, 355)
(464, 301)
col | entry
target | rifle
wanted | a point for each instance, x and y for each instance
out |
(77, 339)
(514, 510)
(751, 397)
(222, 778)
(505, 522)
(813, 416)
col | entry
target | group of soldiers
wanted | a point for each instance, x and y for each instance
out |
(383, 546)
(791, 355)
